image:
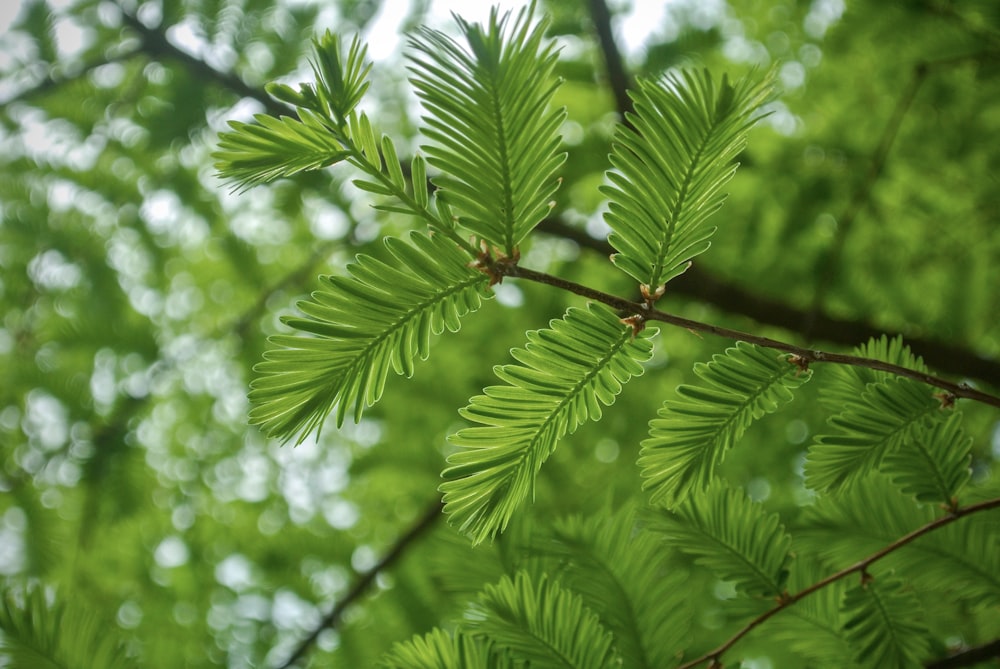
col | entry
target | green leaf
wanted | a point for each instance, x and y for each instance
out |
(38, 631)
(845, 383)
(732, 535)
(670, 169)
(543, 624)
(341, 78)
(440, 650)
(567, 373)
(869, 427)
(690, 438)
(493, 136)
(623, 573)
(884, 625)
(257, 153)
(960, 562)
(934, 463)
(813, 626)
(357, 328)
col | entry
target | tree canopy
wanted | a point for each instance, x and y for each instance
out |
(506, 341)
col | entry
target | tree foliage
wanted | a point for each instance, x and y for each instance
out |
(700, 503)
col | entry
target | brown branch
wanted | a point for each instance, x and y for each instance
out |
(861, 566)
(805, 355)
(425, 522)
(732, 298)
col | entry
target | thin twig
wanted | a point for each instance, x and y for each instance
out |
(858, 567)
(365, 580)
(805, 355)
(828, 268)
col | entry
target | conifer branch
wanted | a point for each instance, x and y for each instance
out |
(422, 525)
(803, 356)
(860, 567)
(699, 284)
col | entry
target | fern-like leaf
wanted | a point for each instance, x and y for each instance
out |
(494, 138)
(39, 632)
(732, 535)
(359, 327)
(624, 575)
(567, 373)
(543, 624)
(691, 436)
(884, 625)
(843, 384)
(271, 148)
(813, 626)
(934, 463)
(871, 426)
(440, 650)
(256, 153)
(960, 562)
(669, 170)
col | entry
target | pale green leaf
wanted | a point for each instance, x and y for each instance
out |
(689, 439)
(671, 166)
(567, 373)
(493, 135)
(357, 328)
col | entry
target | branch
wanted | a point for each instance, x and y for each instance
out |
(805, 355)
(827, 270)
(51, 82)
(155, 43)
(735, 299)
(618, 79)
(858, 567)
(365, 580)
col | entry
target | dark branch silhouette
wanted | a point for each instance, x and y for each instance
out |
(424, 523)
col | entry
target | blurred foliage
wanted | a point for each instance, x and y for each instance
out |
(137, 293)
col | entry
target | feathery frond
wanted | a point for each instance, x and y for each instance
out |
(669, 170)
(37, 632)
(567, 373)
(382, 316)
(813, 627)
(624, 574)
(934, 463)
(494, 138)
(543, 624)
(845, 383)
(272, 148)
(884, 625)
(870, 426)
(690, 438)
(960, 561)
(732, 535)
(440, 650)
